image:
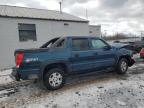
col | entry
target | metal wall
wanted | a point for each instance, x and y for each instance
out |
(95, 30)
(45, 30)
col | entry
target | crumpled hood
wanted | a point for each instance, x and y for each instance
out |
(118, 45)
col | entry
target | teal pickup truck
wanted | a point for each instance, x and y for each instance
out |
(64, 56)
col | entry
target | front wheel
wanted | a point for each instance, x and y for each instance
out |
(122, 66)
(54, 79)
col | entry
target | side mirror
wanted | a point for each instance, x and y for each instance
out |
(107, 48)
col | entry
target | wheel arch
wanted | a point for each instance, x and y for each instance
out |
(62, 65)
(127, 57)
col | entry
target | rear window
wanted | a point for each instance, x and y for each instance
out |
(80, 44)
(60, 43)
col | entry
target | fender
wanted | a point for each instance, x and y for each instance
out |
(45, 64)
(123, 53)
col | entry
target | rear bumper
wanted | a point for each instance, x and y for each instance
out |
(29, 74)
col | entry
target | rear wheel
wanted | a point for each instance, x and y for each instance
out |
(122, 66)
(54, 79)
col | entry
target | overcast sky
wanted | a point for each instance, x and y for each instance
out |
(113, 15)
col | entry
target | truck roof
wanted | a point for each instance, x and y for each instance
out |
(82, 37)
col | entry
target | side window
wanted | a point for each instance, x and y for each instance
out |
(80, 44)
(61, 43)
(98, 44)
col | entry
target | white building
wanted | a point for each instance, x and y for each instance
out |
(28, 28)
(95, 30)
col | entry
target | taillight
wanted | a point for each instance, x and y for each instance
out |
(19, 59)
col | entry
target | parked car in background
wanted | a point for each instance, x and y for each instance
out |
(139, 45)
(142, 53)
(71, 55)
(116, 41)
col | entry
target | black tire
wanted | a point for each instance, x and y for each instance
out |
(122, 66)
(49, 79)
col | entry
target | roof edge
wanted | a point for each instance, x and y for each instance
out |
(43, 19)
(82, 20)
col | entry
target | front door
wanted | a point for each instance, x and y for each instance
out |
(104, 56)
(81, 55)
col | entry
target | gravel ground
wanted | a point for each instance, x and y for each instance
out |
(107, 90)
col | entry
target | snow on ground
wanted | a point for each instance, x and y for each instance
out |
(108, 90)
(6, 72)
(5, 76)
(5, 79)
(136, 56)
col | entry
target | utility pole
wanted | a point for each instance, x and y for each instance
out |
(60, 2)
(86, 14)
(141, 34)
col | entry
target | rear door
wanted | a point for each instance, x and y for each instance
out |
(81, 55)
(104, 55)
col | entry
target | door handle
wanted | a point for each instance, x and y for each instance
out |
(76, 55)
